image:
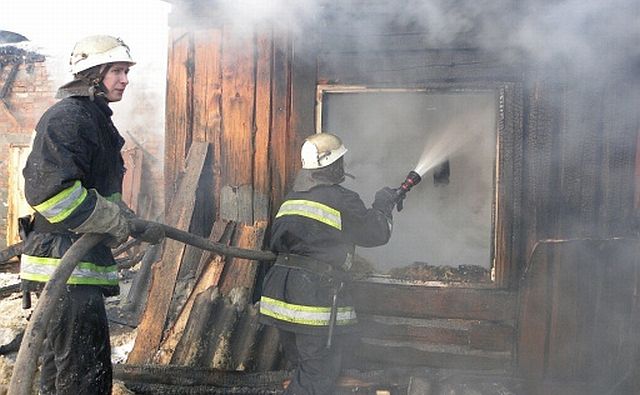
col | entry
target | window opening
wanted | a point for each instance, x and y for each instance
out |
(445, 232)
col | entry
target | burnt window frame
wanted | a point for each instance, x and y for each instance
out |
(506, 210)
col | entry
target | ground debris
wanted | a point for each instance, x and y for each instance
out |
(421, 271)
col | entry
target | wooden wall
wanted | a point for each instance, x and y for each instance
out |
(579, 317)
(567, 155)
(244, 101)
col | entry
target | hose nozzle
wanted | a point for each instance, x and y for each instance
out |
(413, 178)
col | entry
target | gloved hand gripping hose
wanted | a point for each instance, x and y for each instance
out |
(31, 347)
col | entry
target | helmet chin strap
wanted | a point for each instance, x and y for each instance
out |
(96, 87)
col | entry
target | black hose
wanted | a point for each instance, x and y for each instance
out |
(30, 348)
(27, 360)
(205, 244)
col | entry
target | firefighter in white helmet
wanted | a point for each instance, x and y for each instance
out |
(73, 180)
(306, 293)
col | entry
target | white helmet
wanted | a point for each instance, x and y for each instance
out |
(320, 150)
(96, 50)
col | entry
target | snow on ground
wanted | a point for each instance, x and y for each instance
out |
(13, 320)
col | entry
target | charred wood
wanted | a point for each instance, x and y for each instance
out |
(245, 339)
(165, 389)
(154, 321)
(137, 296)
(268, 354)
(10, 252)
(9, 289)
(13, 345)
(191, 347)
(188, 376)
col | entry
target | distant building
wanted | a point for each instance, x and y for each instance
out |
(26, 90)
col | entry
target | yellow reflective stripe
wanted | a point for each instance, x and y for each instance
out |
(314, 210)
(60, 206)
(305, 315)
(41, 269)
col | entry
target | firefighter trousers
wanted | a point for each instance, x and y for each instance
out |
(77, 354)
(316, 367)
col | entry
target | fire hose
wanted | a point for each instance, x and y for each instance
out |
(26, 362)
(30, 348)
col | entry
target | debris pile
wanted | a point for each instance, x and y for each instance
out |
(421, 271)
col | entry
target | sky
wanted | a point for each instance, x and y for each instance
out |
(53, 27)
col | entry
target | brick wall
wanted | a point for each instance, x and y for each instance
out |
(32, 91)
(28, 92)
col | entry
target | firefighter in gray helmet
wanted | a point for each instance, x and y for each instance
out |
(73, 181)
(306, 292)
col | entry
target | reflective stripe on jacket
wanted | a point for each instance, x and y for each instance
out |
(324, 223)
(40, 269)
(75, 156)
(61, 205)
(314, 210)
(305, 315)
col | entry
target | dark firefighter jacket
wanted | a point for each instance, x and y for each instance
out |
(75, 155)
(324, 224)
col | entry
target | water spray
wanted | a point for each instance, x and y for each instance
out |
(440, 177)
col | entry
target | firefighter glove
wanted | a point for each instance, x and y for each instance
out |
(151, 232)
(106, 217)
(385, 200)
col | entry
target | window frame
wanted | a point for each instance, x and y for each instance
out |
(505, 247)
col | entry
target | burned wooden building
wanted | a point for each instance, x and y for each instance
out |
(540, 194)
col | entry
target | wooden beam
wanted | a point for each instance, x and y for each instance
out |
(132, 178)
(474, 334)
(178, 103)
(428, 355)
(208, 278)
(238, 85)
(207, 102)
(280, 113)
(241, 273)
(262, 139)
(154, 319)
(424, 302)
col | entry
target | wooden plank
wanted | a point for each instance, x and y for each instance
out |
(207, 84)
(132, 178)
(478, 335)
(410, 301)
(585, 323)
(241, 273)
(402, 329)
(268, 355)
(393, 354)
(509, 173)
(413, 67)
(561, 362)
(261, 168)
(245, 339)
(303, 100)
(491, 336)
(193, 343)
(238, 85)
(280, 127)
(153, 321)
(206, 279)
(207, 101)
(533, 317)
(17, 203)
(178, 118)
